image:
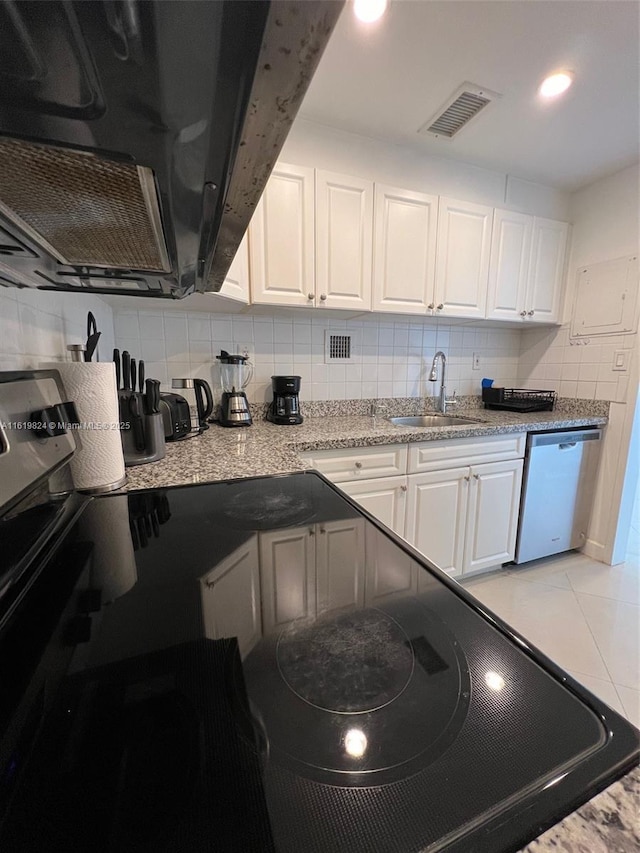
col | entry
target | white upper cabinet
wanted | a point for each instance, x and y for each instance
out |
(526, 268)
(462, 259)
(404, 251)
(509, 265)
(546, 270)
(282, 239)
(344, 226)
(236, 284)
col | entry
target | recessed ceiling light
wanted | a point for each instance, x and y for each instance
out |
(369, 11)
(555, 84)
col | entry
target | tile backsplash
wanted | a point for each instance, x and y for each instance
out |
(389, 359)
(551, 360)
(37, 325)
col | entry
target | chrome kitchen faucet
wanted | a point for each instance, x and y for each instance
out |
(443, 402)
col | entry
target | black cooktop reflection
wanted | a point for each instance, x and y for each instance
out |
(361, 697)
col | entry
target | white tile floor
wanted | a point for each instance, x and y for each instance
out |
(584, 615)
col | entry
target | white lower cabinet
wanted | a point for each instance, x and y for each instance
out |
(456, 501)
(385, 498)
(465, 519)
(437, 515)
(492, 516)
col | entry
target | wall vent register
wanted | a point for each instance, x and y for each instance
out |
(338, 347)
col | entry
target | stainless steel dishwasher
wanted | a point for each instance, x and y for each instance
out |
(557, 492)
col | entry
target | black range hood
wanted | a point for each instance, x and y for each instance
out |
(136, 136)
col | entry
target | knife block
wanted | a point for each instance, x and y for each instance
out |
(153, 426)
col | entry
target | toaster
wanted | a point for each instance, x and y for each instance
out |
(176, 416)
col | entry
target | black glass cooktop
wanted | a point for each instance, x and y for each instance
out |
(257, 665)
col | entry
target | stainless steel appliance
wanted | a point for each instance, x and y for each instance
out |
(217, 667)
(203, 397)
(557, 492)
(285, 406)
(235, 374)
(136, 138)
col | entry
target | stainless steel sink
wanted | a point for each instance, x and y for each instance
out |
(431, 421)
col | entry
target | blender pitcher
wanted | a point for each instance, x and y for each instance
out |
(235, 375)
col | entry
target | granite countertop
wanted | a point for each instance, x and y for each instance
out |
(264, 448)
(606, 824)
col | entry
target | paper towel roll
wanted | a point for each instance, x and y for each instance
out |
(98, 464)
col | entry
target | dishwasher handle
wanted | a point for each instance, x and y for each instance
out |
(564, 439)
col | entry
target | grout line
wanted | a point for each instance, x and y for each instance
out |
(584, 616)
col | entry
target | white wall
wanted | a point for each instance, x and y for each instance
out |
(322, 147)
(37, 325)
(606, 226)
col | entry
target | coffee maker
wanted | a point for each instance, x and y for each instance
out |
(235, 374)
(285, 408)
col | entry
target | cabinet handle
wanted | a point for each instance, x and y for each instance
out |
(476, 476)
(322, 530)
(312, 531)
(403, 488)
(440, 307)
(431, 306)
(310, 295)
(531, 313)
(323, 297)
(466, 479)
(358, 464)
(523, 313)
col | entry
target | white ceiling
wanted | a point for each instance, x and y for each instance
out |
(385, 80)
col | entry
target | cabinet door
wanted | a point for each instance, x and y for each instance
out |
(494, 502)
(287, 575)
(390, 572)
(436, 516)
(385, 498)
(344, 233)
(340, 557)
(281, 239)
(236, 284)
(509, 265)
(405, 251)
(546, 270)
(231, 597)
(462, 258)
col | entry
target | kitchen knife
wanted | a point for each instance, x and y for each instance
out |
(149, 397)
(137, 424)
(116, 361)
(141, 375)
(133, 374)
(126, 370)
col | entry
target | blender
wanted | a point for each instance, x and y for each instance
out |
(235, 375)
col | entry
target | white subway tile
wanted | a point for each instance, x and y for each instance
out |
(283, 332)
(606, 390)
(126, 325)
(568, 388)
(199, 327)
(151, 350)
(586, 390)
(353, 390)
(151, 326)
(570, 371)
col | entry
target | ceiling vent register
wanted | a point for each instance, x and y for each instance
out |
(465, 104)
